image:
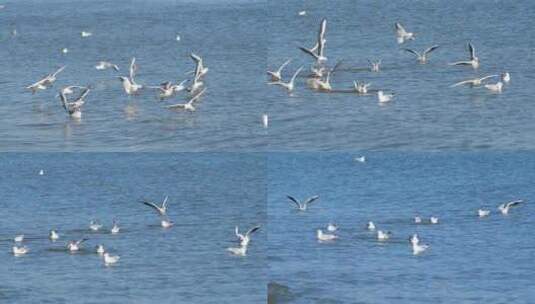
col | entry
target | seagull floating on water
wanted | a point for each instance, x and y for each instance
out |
(41, 172)
(417, 220)
(75, 245)
(360, 87)
(95, 225)
(384, 98)
(495, 87)
(85, 34)
(383, 235)
(166, 223)
(100, 249)
(504, 208)
(433, 220)
(18, 251)
(375, 65)
(115, 229)
(265, 120)
(325, 236)
(417, 248)
(110, 259)
(402, 34)
(483, 212)
(422, 57)
(474, 60)
(304, 205)
(53, 235)
(370, 226)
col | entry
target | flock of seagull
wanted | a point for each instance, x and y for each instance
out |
(383, 235)
(320, 73)
(166, 90)
(73, 246)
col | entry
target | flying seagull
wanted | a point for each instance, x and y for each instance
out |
(422, 57)
(304, 205)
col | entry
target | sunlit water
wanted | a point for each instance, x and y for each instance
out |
(227, 34)
(470, 260)
(188, 263)
(426, 113)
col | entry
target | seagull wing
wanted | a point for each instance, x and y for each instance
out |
(400, 30)
(462, 82)
(58, 71)
(514, 203)
(461, 63)
(486, 77)
(430, 49)
(153, 205)
(283, 65)
(310, 52)
(252, 230)
(311, 199)
(412, 51)
(472, 50)
(164, 204)
(295, 201)
(295, 74)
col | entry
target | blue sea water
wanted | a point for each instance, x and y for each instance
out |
(228, 34)
(208, 195)
(426, 114)
(470, 260)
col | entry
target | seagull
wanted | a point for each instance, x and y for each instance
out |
(414, 239)
(200, 69)
(473, 62)
(75, 245)
(417, 220)
(239, 251)
(325, 236)
(115, 229)
(277, 76)
(100, 249)
(375, 65)
(166, 223)
(361, 88)
(383, 98)
(18, 251)
(167, 89)
(422, 57)
(325, 85)
(383, 235)
(402, 34)
(289, 86)
(129, 84)
(19, 238)
(474, 82)
(85, 34)
(64, 50)
(495, 87)
(504, 208)
(95, 225)
(360, 159)
(188, 105)
(245, 239)
(41, 172)
(332, 227)
(46, 81)
(417, 248)
(53, 235)
(483, 213)
(370, 226)
(302, 13)
(110, 259)
(104, 65)
(433, 220)
(74, 108)
(302, 206)
(265, 120)
(162, 210)
(506, 77)
(317, 52)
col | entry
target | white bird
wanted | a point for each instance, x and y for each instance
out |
(95, 225)
(74, 108)
(41, 172)
(53, 235)
(414, 239)
(188, 105)
(167, 89)
(166, 223)
(289, 86)
(384, 98)
(474, 82)
(383, 235)
(129, 84)
(361, 88)
(200, 69)
(177, 38)
(245, 238)
(277, 75)
(239, 251)
(402, 34)
(495, 87)
(110, 259)
(433, 220)
(161, 210)
(417, 220)
(417, 248)
(304, 205)
(483, 213)
(332, 227)
(75, 245)
(85, 34)
(19, 238)
(104, 65)
(422, 57)
(100, 249)
(474, 60)
(375, 66)
(504, 208)
(302, 13)
(318, 52)
(64, 50)
(506, 77)
(265, 120)
(46, 81)
(115, 229)
(18, 251)
(370, 226)
(325, 236)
